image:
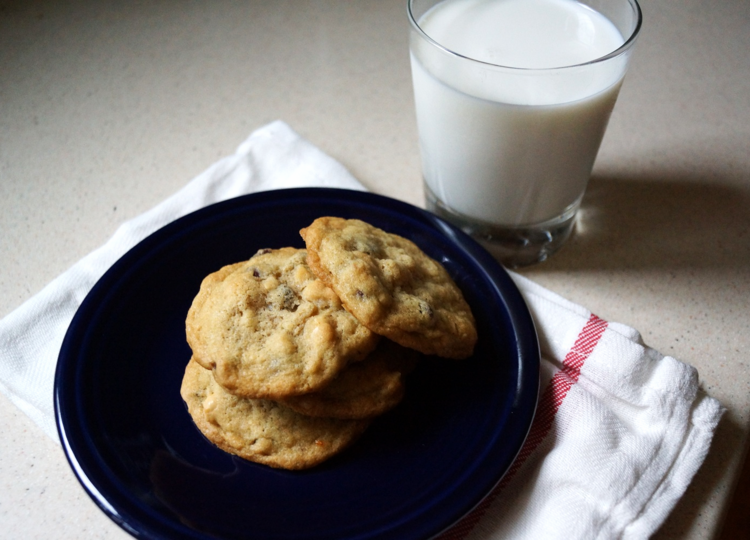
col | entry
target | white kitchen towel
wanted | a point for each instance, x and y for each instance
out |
(620, 429)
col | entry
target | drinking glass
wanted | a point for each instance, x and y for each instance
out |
(507, 151)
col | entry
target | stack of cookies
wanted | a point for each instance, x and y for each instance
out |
(295, 351)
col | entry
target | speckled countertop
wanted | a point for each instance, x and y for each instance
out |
(106, 108)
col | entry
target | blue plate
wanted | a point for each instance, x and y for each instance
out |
(414, 473)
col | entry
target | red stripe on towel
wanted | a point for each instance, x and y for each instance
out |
(549, 403)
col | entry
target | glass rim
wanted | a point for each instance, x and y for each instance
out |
(628, 44)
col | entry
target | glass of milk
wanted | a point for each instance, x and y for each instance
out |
(512, 100)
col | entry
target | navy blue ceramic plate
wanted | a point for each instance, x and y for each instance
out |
(415, 472)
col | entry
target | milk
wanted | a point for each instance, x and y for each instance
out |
(507, 137)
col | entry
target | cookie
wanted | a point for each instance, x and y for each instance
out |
(362, 390)
(270, 329)
(260, 430)
(391, 286)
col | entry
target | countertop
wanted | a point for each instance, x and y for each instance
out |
(107, 108)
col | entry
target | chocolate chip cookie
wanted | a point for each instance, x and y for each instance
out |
(260, 430)
(269, 328)
(391, 286)
(364, 389)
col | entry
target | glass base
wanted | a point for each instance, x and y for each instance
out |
(513, 246)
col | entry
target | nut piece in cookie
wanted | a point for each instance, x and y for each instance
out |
(260, 430)
(363, 389)
(269, 328)
(391, 286)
